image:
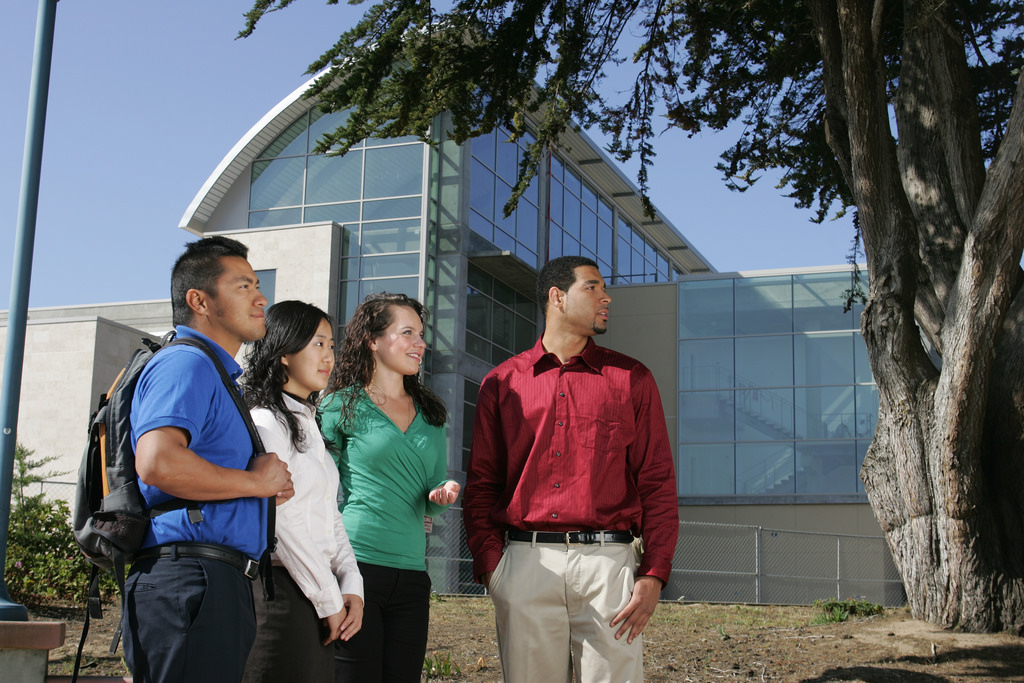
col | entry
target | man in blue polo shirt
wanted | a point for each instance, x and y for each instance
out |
(188, 610)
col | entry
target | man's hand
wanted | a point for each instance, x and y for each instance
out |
(485, 579)
(445, 494)
(272, 477)
(636, 614)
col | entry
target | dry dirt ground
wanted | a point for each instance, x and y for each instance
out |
(693, 642)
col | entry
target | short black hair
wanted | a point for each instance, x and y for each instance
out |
(198, 268)
(559, 272)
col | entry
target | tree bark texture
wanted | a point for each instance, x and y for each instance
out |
(944, 322)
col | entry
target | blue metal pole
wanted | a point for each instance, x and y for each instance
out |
(17, 316)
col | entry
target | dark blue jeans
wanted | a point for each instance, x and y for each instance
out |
(393, 641)
(188, 619)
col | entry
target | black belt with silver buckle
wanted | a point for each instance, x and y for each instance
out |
(248, 566)
(570, 537)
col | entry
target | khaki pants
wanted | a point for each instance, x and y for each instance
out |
(553, 604)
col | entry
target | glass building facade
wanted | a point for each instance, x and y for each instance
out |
(776, 397)
(377, 192)
(428, 220)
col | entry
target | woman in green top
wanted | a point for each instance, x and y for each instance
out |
(386, 431)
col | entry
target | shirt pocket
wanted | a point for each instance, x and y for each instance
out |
(604, 434)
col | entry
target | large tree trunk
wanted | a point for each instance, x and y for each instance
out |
(944, 323)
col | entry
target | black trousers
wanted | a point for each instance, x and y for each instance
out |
(187, 620)
(392, 644)
(289, 637)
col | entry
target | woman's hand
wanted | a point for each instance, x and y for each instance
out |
(354, 619)
(446, 494)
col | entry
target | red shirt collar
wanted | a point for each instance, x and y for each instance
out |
(543, 359)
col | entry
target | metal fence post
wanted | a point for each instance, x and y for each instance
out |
(839, 569)
(757, 562)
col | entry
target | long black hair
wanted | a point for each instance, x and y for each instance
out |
(355, 365)
(290, 327)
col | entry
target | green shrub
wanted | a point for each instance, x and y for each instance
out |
(44, 564)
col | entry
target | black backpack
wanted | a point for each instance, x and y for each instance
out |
(110, 518)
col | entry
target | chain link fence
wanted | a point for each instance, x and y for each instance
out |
(713, 563)
(725, 563)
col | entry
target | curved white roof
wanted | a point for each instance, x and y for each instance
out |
(241, 155)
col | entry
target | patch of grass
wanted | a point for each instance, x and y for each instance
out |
(440, 666)
(835, 611)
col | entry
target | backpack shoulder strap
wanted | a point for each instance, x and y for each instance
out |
(257, 446)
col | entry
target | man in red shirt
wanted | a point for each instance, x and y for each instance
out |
(570, 463)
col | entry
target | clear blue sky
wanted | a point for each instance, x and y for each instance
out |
(147, 97)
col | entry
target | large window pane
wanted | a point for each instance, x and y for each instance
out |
(818, 302)
(289, 143)
(639, 267)
(350, 299)
(764, 469)
(764, 361)
(376, 142)
(764, 305)
(478, 314)
(588, 228)
(507, 160)
(401, 285)
(526, 225)
(825, 413)
(764, 414)
(706, 470)
(705, 364)
(277, 183)
(861, 364)
(605, 241)
(824, 358)
(571, 211)
(339, 213)
(501, 326)
(393, 171)
(706, 415)
(483, 148)
(389, 236)
(556, 199)
(826, 467)
(867, 410)
(532, 192)
(555, 242)
(525, 335)
(705, 308)
(325, 123)
(269, 219)
(479, 280)
(481, 190)
(268, 284)
(502, 195)
(504, 294)
(350, 240)
(573, 182)
(384, 266)
(334, 179)
(392, 208)
(503, 240)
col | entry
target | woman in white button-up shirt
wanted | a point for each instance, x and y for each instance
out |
(319, 592)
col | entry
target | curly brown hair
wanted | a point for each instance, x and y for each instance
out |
(355, 364)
